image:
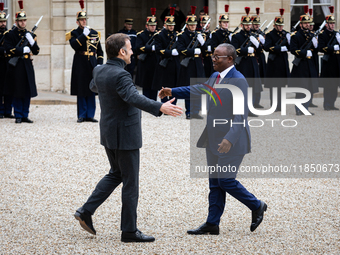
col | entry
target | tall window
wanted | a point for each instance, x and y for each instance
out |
(320, 10)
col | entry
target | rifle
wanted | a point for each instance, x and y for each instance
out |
(308, 44)
(142, 56)
(330, 44)
(185, 61)
(247, 43)
(23, 42)
(172, 45)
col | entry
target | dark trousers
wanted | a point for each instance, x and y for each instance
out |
(306, 105)
(86, 106)
(150, 93)
(192, 106)
(21, 106)
(256, 98)
(330, 93)
(220, 186)
(124, 168)
(6, 105)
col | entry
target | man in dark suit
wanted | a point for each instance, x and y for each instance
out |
(121, 135)
(88, 54)
(225, 145)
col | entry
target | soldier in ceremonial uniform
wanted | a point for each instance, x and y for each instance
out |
(86, 43)
(5, 100)
(148, 59)
(167, 71)
(306, 68)
(256, 22)
(315, 53)
(133, 36)
(247, 45)
(185, 46)
(277, 44)
(207, 61)
(329, 41)
(20, 78)
(221, 35)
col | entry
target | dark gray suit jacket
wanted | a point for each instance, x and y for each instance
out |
(120, 120)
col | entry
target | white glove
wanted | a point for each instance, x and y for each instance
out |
(254, 41)
(200, 39)
(153, 47)
(336, 47)
(309, 53)
(197, 51)
(230, 37)
(250, 50)
(209, 48)
(261, 39)
(86, 31)
(315, 42)
(29, 38)
(283, 48)
(174, 52)
(288, 38)
(26, 49)
(338, 37)
(98, 65)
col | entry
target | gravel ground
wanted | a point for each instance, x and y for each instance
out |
(49, 168)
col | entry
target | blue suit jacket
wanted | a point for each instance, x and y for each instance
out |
(238, 134)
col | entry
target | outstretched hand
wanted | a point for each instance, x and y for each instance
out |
(164, 92)
(170, 109)
(225, 146)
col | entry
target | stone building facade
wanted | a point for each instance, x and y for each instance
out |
(53, 64)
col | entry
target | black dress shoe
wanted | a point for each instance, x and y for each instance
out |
(80, 120)
(18, 120)
(205, 228)
(258, 106)
(138, 236)
(27, 120)
(91, 120)
(334, 108)
(299, 113)
(196, 116)
(257, 216)
(1, 116)
(250, 114)
(85, 221)
(188, 116)
(312, 105)
(9, 116)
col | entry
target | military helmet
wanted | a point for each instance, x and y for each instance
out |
(255, 19)
(152, 20)
(129, 21)
(205, 17)
(279, 20)
(2, 13)
(225, 17)
(330, 18)
(170, 20)
(311, 21)
(305, 17)
(81, 14)
(246, 20)
(192, 19)
(21, 15)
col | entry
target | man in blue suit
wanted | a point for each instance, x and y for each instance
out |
(226, 144)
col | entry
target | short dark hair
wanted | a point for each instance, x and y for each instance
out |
(114, 43)
(230, 50)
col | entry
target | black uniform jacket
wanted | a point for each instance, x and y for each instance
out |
(279, 67)
(88, 53)
(166, 76)
(21, 78)
(185, 47)
(146, 68)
